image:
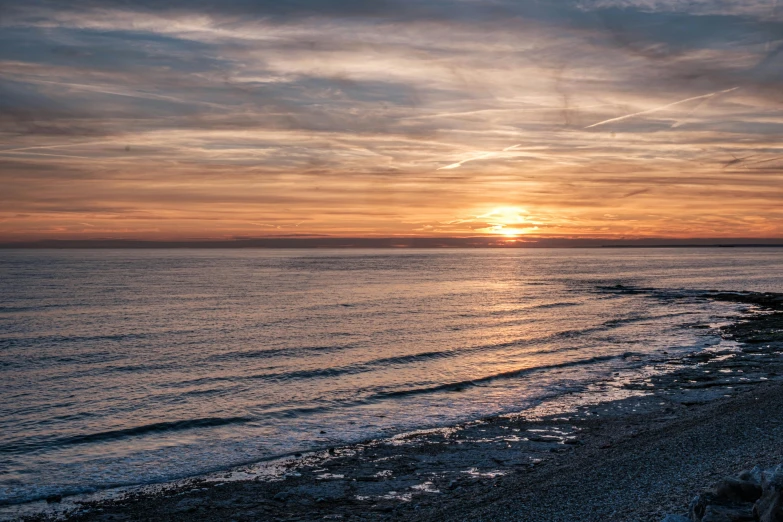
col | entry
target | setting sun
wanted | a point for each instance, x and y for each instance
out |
(507, 221)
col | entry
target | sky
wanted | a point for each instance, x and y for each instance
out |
(189, 119)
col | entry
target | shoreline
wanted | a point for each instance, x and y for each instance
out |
(483, 467)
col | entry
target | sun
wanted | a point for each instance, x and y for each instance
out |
(511, 232)
(506, 221)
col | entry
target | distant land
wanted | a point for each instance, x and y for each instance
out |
(397, 242)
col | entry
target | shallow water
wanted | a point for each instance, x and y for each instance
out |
(134, 366)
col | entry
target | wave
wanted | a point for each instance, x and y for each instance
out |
(360, 367)
(561, 304)
(519, 310)
(157, 427)
(461, 385)
(280, 352)
(446, 387)
(374, 364)
(38, 340)
(30, 308)
(442, 354)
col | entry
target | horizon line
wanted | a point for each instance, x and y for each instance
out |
(320, 242)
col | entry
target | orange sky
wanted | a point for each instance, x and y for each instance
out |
(611, 118)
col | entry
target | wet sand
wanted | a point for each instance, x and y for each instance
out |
(653, 442)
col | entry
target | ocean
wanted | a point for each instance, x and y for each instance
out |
(125, 367)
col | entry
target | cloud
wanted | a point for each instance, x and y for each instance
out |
(387, 117)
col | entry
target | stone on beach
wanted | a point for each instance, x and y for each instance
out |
(769, 507)
(753, 496)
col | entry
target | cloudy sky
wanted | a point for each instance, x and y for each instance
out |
(166, 119)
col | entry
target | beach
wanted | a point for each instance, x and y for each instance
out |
(644, 452)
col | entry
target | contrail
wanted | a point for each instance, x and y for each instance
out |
(57, 146)
(684, 120)
(481, 156)
(53, 155)
(765, 161)
(656, 109)
(127, 93)
(737, 160)
(521, 109)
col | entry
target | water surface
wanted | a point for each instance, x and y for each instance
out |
(123, 367)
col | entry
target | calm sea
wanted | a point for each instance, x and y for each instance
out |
(123, 367)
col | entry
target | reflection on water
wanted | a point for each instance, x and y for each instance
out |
(123, 367)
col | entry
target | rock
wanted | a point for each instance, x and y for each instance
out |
(755, 495)
(769, 507)
(754, 475)
(282, 496)
(738, 490)
(699, 505)
(709, 507)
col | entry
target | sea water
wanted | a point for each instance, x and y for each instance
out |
(123, 367)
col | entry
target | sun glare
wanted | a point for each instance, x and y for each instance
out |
(508, 221)
(507, 215)
(511, 232)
